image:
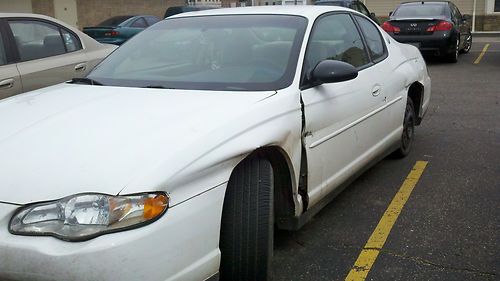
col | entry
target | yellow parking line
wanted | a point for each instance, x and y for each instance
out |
(481, 55)
(369, 254)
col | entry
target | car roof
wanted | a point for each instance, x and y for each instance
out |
(308, 11)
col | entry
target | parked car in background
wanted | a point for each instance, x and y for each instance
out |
(435, 27)
(183, 9)
(351, 4)
(37, 51)
(175, 158)
(118, 29)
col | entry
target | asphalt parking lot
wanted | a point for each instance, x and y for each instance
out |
(449, 228)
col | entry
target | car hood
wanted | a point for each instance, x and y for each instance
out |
(69, 139)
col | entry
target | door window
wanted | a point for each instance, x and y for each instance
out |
(335, 37)
(374, 39)
(36, 39)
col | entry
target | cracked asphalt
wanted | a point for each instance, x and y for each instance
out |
(450, 227)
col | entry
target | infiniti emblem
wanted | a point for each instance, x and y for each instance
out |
(413, 25)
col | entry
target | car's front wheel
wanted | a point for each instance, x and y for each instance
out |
(246, 240)
(408, 131)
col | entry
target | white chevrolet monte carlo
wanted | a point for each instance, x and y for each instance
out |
(177, 155)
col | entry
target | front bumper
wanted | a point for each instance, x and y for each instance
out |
(182, 245)
(442, 42)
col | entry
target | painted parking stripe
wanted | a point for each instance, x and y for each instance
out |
(481, 55)
(376, 242)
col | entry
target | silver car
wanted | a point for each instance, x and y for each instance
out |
(37, 51)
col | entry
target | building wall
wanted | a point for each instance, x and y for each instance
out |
(92, 12)
(65, 10)
(16, 6)
(44, 7)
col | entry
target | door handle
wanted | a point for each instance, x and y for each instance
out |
(7, 83)
(376, 91)
(80, 67)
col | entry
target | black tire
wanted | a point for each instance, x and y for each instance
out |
(453, 56)
(408, 134)
(246, 240)
(467, 44)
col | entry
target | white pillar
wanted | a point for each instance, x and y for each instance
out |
(474, 17)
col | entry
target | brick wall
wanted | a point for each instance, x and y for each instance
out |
(92, 12)
(488, 23)
(44, 7)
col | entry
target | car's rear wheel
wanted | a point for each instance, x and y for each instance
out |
(467, 44)
(408, 134)
(453, 56)
(246, 240)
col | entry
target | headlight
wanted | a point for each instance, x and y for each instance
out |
(85, 216)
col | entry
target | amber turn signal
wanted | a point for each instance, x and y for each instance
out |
(155, 206)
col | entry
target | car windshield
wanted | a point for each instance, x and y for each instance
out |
(229, 52)
(420, 10)
(114, 21)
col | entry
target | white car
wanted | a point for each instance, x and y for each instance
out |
(177, 155)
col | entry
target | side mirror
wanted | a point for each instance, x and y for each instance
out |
(374, 18)
(466, 17)
(331, 71)
(390, 13)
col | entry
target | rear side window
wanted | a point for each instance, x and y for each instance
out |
(140, 23)
(373, 39)
(114, 21)
(72, 43)
(152, 20)
(36, 39)
(3, 55)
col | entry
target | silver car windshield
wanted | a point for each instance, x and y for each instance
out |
(228, 52)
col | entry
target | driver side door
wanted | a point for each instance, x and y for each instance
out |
(341, 120)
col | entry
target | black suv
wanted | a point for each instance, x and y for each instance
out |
(351, 4)
(435, 27)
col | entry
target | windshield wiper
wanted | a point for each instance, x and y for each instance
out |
(85, 80)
